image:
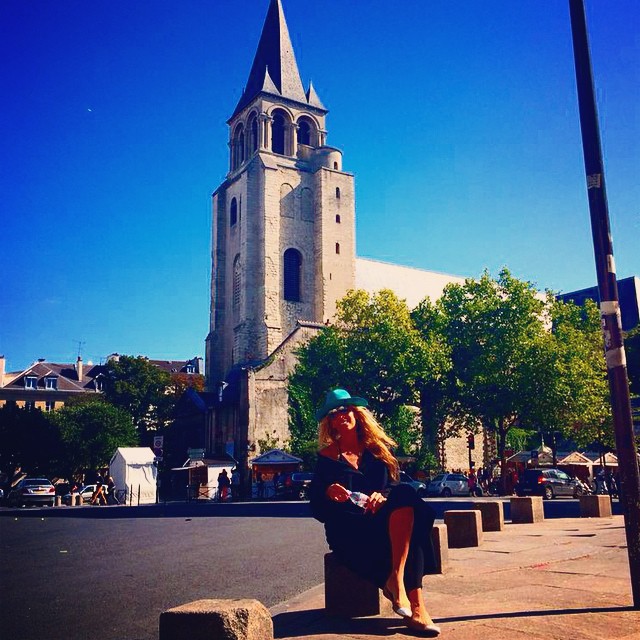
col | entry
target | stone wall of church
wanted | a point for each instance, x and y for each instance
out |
(335, 239)
(457, 453)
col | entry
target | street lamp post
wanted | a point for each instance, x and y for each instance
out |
(608, 293)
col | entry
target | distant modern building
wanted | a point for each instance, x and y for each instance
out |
(628, 294)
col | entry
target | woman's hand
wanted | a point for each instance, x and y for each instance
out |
(337, 493)
(376, 500)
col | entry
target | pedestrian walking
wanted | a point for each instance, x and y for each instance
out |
(260, 484)
(235, 484)
(98, 496)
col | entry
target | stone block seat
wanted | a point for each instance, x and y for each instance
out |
(526, 510)
(595, 507)
(241, 619)
(492, 513)
(464, 528)
(348, 595)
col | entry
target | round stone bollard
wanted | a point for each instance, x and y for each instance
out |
(58, 501)
(242, 619)
(76, 499)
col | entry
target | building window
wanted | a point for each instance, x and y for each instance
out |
(292, 275)
(99, 384)
(190, 368)
(30, 382)
(278, 133)
(335, 166)
(253, 133)
(304, 132)
(338, 218)
(337, 247)
(233, 212)
(287, 201)
(237, 281)
(51, 383)
(338, 193)
(49, 405)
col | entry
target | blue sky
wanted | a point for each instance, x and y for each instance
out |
(458, 118)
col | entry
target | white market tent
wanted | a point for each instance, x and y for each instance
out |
(133, 471)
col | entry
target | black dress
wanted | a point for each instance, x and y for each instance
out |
(361, 540)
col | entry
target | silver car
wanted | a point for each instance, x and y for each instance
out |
(420, 487)
(449, 484)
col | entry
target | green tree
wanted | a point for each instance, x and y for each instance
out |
(141, 389)
(495, 331)
(91, 432)
(574, 400)
(373, 350)
(30, 439)
(632, 348)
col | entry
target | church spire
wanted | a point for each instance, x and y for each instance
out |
(275, 59)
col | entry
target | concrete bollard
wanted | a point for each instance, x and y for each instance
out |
(464, 528)
(440, 542)
(76, 499)
(595, 507)
(347, 594)
(242, 619)
(526, 510)
(58, 501)
(492, 512)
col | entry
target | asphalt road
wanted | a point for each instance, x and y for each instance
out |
(76, 578)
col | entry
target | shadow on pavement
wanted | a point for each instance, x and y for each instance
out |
(535, 614)
(300, 624)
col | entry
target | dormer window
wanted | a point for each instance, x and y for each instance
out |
(30, 382)
(190, 368)
(51, 383)
(99, 383)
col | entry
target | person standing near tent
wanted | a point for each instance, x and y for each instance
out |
(235, 484)
(98, 495)
(223, 485)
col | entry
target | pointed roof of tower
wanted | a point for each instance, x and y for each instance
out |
(312, 97)
(274, 53)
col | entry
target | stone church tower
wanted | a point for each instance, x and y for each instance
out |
(283, 246)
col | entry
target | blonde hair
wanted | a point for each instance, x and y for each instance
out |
(370, 433)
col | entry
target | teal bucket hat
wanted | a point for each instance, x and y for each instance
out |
(339, 398)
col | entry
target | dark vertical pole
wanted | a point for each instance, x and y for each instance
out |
(608, 289)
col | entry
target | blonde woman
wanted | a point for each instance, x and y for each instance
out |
(381, 530)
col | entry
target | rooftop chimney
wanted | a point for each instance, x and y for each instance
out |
(79, 368)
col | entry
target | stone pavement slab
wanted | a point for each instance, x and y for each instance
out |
(556, 579)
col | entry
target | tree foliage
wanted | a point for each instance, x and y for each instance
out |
(140, 388)
(632, 348)
(490, 352)
(91, 432)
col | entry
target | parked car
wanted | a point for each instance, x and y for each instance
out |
(449, 484)
(548, 483)
(32, 491)
(85, 493)
(294, 485)
(420, 487)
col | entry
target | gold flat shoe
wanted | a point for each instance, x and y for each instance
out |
(426, 630)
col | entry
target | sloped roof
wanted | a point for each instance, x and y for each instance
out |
(276, 456)
(275, 54)
(135, 455)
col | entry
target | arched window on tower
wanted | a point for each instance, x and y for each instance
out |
(278, 127)
(304, 132)
(337, 247)
(237, 282)
(338, 193)
(233, 212)
(292, 272)
(252, 129)
(237, 147)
